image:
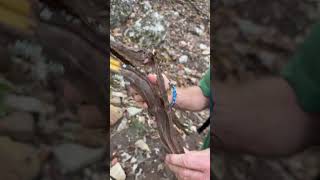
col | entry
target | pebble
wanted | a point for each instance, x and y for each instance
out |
(28, 104)
(117, 172)
(118, 94)
(203, 46)
(18, 161)
(206, 52)
(46, 14)
(199, 30)
(183, 59)
(123, 125)
(72, 157)
(115, 101)
(183, 43)
(125, 156)
(142, 145)
(19, 125)
(115, 114)
(132, 111)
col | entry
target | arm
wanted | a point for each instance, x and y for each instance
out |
(191, 99)
(261, 117)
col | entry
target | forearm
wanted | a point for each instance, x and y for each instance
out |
(191, 99)
(262, 117)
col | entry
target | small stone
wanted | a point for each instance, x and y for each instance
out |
(72, 157)
(48, 126)
(132, 111)
(115, 101)
(126, 157)
(91, 117)
(19, 125)
(117, 172)
(203, 46)
(134, 167)
(142, 119)
(249, 28)
(142, 145)
(123, 125)
(115, 114)
(183, 43)
(183, 59)
(199, 30)
(46, 14)
(118, 94)
(160, 167)
(206, 52)
(193, 128)
(18, 161)
(90, 137)
(28, 104)
(133, 160)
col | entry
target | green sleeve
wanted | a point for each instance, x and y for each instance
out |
(205, 84)
(303, 72)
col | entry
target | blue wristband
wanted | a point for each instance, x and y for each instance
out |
(174, 96)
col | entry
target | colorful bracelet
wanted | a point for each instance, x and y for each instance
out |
(174, 95)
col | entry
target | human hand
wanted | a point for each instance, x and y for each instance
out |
(193, 165)
(153, 79)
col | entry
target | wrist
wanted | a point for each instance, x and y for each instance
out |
(172, 95)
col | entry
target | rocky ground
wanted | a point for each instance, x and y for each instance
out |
(48, 129)
(181, 32)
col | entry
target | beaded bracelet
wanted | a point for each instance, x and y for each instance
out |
(174, 95)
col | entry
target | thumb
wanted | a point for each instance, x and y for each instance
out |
(152, 78)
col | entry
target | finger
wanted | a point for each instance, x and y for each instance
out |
(152, 78)
(131, 91)
(138, 98)
(205, 152)
(185, 160)
(185, 173)
(186, 150)
(141, 104)
(145, 105)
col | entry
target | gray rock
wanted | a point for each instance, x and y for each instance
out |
(19, 125)
(249, 28)
(120, 11)
(183, 59)
(18, 161)
(46, 14)
(267, 58)
(132, 111)
(48, 127)
(72, 157)
(198, 30)
(28, 104)
(148, 31)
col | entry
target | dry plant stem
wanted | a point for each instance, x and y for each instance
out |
(130, 56)
(155, 96)
(156, 108)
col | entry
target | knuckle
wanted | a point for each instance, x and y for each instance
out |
(185, 161)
